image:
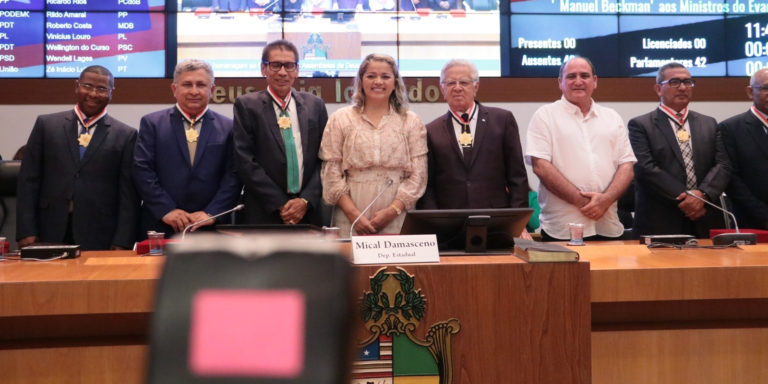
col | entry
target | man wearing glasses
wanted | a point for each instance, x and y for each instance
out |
(677, 151)
(75, 182)
(277, 138)
(746, 140)
(184, 162)
(475, 157)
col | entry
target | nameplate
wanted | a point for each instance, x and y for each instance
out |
(394, 249)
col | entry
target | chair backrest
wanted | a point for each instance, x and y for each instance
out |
(224, 316)
(9, 178)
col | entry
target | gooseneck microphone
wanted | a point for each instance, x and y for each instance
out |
(239, 207)
(729, 238)
(389, 183)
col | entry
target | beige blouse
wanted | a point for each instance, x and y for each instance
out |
(352, 143)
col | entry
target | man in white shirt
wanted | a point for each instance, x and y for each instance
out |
(581, 153)
(677, 151)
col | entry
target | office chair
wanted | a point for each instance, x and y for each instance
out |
(252, 310)
(9, 178)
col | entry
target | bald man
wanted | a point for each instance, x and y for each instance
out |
(746, 140)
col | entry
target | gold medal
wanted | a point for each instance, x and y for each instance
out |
(284, 122)
(84, 139)
(192, 135)
(683, 136)
(465, 139)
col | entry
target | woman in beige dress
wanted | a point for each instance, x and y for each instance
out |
(365, 145)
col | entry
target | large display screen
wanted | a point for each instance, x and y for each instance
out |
(626, 38)
(59, 38)
(527, 38)
(333, 42)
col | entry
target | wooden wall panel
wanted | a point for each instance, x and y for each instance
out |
(117, 364)
(520, 323)
(539, 90)
(711, 356)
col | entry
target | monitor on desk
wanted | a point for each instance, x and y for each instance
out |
(469, 231)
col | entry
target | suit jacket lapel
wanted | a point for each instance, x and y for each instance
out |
(758, 133)
(663, 125)
(480, 127)
(696, 141)
(303, 122)
(206, 130)
(177, 126)
(269, 114)
(71, 132)
(102, 130)
(452, 135)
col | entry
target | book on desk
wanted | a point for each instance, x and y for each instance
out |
(536, 252)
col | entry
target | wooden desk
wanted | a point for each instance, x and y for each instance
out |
(668, 316)
(659, 316)
(76, 321)
(85, 320)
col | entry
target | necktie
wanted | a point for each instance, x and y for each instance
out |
(292, 158)
(192, 144)
(685, 148)
(84, 130)
(466, 149)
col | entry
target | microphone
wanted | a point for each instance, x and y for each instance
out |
(729, 238)
(368, 207)
(239, 207)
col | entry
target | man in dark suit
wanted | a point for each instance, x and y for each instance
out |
(677, 150)
(475, 156)
(229, 5)
(746, 140)
(277, 139)
(184, 162)
(443, 5)
(75, 182)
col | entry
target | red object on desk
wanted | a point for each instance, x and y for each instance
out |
(423, 11)
(762, 235)
(7, 247)
(318, 11)
(203, 11)
(458, 13)
(257, 11)
(142, 248)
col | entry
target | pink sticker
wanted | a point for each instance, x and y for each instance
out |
(247, 333)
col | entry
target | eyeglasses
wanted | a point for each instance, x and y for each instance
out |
(276, 65)
(675, 82)
(90, 88)
(761, 88)
(464, 83)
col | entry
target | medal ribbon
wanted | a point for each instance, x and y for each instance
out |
(87, 122)
(84, 138)
(470, 113)
(760, 116)
(282, 104)
(291, 156)
(189, 119)
(680, 121)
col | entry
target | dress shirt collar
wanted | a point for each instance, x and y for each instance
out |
(760, 112)
(672, 109)
(574, 109)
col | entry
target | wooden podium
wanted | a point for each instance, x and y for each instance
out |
(86, 320)
(519, 323)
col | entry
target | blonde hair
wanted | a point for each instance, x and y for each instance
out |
(398, 99)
